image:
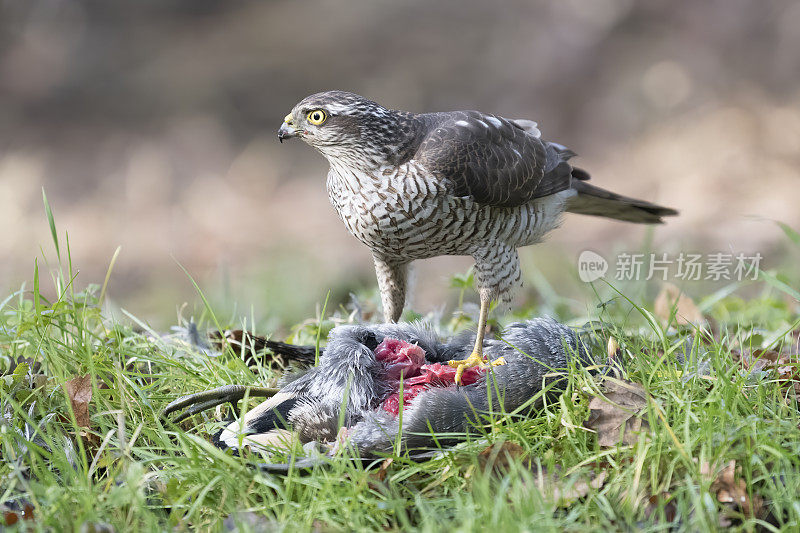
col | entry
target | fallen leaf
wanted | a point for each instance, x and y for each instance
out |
(375, 480)
(731, 491)
(317, 526)
(79, 392)
(614, 416)
(664, 501)
(785, 366)
(671, 297)
(16, 511)
(381, 474)
(499, 456)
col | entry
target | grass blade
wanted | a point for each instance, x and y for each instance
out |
(51, 220)
(319, 329)
(108, 275)
(790, 232)
(780, 285)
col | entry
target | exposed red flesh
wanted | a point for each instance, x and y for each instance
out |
(408, 360)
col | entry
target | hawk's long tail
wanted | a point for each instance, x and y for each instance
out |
(592, 200)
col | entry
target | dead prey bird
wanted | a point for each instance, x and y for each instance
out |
(413, 186)
(357, 386)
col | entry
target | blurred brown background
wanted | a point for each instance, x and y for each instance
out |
(151, 125)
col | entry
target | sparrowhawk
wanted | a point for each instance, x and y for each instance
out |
(418, 185)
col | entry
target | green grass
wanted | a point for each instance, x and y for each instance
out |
(130, 470)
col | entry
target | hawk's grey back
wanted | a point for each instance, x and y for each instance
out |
(494, 160)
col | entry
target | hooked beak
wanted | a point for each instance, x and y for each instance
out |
(287, 130)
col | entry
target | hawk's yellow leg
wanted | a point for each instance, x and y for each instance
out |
(476, 358)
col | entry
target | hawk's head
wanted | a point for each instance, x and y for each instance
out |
(347, 128)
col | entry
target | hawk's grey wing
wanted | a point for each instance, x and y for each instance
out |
(494, 160)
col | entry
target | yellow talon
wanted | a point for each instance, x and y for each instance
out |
(475, 359)
(500, 361)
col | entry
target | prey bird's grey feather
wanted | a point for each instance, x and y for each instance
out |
(350, 385)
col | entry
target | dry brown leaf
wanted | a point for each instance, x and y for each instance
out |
(655, 501)
(785, 366)
(499, 456)
(686, 312)
(618, 408)
(12, 516)
(731, 491)
(375, 480)
(384, 468)
(79, 392)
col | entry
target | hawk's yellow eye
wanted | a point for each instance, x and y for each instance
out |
(317, 117)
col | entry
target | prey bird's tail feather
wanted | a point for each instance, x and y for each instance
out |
(595, 201)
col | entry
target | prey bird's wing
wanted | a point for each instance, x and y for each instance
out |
(492, 159)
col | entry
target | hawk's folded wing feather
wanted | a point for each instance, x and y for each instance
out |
(494, 160)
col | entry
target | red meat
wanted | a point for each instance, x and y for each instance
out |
(404, 359)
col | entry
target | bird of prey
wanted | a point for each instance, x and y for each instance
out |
(418, 185)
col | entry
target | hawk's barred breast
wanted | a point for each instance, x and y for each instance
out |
(407, 213)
